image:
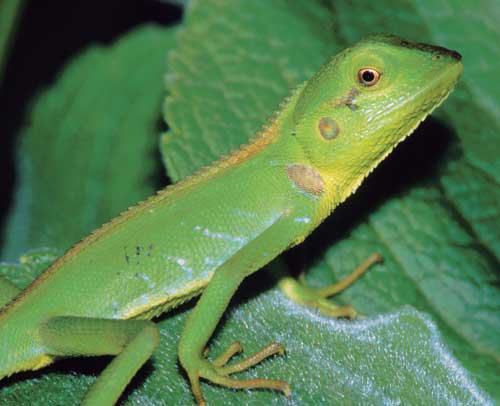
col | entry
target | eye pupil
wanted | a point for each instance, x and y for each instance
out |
(368, 76)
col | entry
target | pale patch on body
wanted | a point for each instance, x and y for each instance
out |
(245, 214)
(222, 236)
(151, 283)
(182, 262)
(305, 220)
(306, 179)
(197, 272)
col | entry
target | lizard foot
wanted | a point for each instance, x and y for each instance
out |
(218, 371)
(299, 292)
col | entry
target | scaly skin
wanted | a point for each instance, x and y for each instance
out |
(224, 223)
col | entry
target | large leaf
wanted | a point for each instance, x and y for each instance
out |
(439, 255)
(472, 183)
(89, 149)
(444, 237)
(9, 14)
(224, 88)
(234, 62)
(87, 154)
(386, 360)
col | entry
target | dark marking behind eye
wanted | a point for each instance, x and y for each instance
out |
(347, 100)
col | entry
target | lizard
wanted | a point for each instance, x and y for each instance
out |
(205, 234)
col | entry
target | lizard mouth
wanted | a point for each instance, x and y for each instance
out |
(422, 103)
(426, 99)
(433, 93)
(438, 89)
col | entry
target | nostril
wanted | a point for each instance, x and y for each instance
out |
(447, 52)
(454, 54)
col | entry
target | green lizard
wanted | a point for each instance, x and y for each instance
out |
(210, 231)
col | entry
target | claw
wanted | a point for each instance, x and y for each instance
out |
(266, 352)
(252, 383)
(232, 350)
(196, 389)
(218, 372)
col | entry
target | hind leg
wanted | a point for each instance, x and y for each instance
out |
(131, 341)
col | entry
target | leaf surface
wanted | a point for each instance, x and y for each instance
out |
(443, 235)
(389, 359)
(89, 149)
(9, 14)
(439, 257)
(233, 64)
(88, 153)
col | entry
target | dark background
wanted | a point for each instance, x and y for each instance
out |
(48, 35)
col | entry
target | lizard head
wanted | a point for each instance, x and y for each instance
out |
(366, 100)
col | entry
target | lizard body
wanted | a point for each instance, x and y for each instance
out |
(209, 232)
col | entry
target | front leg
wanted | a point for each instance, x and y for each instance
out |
(208, 311)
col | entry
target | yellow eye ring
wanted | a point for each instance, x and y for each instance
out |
(368, 76)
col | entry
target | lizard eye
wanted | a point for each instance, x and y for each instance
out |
(368, 76)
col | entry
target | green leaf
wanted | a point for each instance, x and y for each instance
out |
(446, 239)
(437, 228)
(472, 183)
(234, 62)
(223, 89)
(30, 265)
(10, 11)
(394, 358)
(88, 151)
